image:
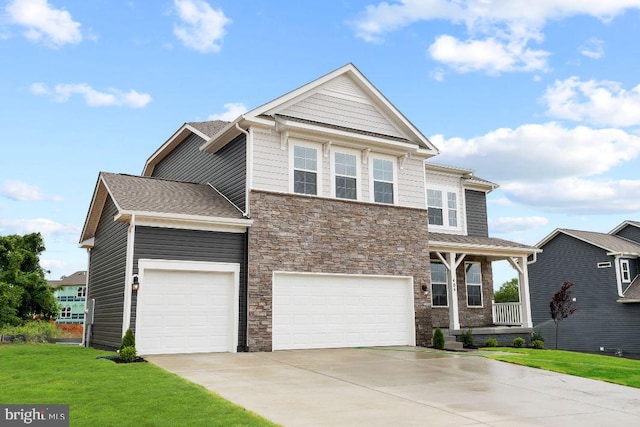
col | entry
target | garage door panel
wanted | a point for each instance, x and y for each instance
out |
(186, 311)
(323, 311)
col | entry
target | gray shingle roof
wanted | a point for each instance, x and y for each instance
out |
(606, 241)
(209, 128)
(153, 195)
(77, 278)
(633, 292)
(476, 240)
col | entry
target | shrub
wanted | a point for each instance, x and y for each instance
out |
(129, 340)
(467, 338)
(519, 342)
(491, 342)
(539, 344)
(36, 331)
(537, 336)
(128, 354)
(438, 339)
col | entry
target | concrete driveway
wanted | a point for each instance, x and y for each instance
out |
(403, 387)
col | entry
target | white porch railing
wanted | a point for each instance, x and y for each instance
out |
(507, 313)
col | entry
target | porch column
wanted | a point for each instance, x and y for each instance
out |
(454, 313)
(521, 266)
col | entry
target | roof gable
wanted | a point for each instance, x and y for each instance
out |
(607, 242)
(625, 224)
(343, 99)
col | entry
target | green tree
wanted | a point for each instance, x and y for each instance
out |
(508, 292)
(24, 291)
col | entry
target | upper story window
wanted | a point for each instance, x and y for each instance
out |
(473, 278)
(82, 292)
(625, 271)
(443, 208)
(345, 170)
(438, 285)
(305, 170)
(383, 181)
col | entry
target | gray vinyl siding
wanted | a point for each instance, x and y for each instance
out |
(476, 207)
(600, 321)
(225, 170)
(630, 233)
(107, 273)
(193, 245)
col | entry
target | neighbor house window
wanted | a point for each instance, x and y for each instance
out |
(346, 175)
(624, 269)
(82, 292)
(474, 284)
(383, 182)
(441, 209)
(305, 170)
(65, 313)
(438, 285)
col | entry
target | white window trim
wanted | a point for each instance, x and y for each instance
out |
(445, 207)
(446, 285)
(604, 265)
(394, 161)
(625, 271)
(358, 176)
(473, 284)
(318, 147)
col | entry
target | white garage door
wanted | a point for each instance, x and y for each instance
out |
(330, 311)
(186, 307)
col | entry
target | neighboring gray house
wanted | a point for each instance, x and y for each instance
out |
(304, 223)
(605, 268)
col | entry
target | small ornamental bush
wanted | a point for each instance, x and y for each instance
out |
(537, 336)
(467, 338)
(491, 342)
(129, 340)
(519, 342)
(538, 344)
(438, 339)
(128, 354)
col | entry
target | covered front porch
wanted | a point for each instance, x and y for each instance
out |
(466, 262)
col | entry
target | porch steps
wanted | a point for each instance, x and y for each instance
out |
(450, 343)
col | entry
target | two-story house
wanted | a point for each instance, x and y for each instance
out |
(71, 292)
(605, 270)
(303, 223)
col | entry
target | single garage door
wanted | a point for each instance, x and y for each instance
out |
(313, 310)
(186, 307)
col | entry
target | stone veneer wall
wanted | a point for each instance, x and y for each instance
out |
(311, 234)
(470, 317)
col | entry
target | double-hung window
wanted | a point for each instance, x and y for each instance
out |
(383, 181)
(474, 284)
(438, 285)
(626, 272)
(82, 292)
(305, 170)
(65, 313)
(345, 175)
(442, 207)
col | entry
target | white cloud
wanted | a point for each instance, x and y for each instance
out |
(598, 102)
(552, 167)
(44, 226)
(499, 31)
(516, 225)
(43, 23)
(593, 48)
(93, 98)
(202, 27)
(540, 151)
(23, 192)
(232, 111)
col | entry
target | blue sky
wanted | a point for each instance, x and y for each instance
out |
(542, 98)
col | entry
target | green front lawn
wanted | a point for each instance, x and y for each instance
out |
(103, 393)
(605, 368)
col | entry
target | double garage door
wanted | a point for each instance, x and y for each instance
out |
(190, 307)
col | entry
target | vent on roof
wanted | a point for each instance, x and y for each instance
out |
(604, 264)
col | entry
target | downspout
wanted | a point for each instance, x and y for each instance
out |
(618, 274)
(248, 176)
(126, 318)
